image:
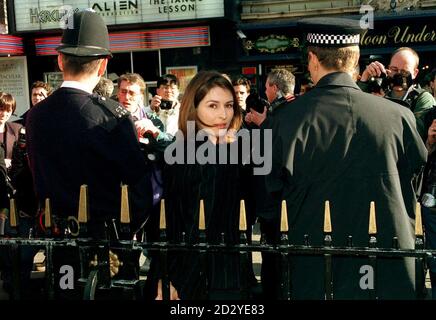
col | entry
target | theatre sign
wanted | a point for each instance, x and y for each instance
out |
(400, 33)
(50, 14)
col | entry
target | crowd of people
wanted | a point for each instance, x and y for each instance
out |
(337, 140)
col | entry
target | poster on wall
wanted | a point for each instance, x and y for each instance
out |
(184, 74)
(13, 80)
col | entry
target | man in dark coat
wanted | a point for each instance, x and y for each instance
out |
(339, 144)
(76, 138)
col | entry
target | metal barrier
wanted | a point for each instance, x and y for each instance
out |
(107, 265)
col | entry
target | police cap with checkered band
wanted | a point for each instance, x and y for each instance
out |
(331, 32)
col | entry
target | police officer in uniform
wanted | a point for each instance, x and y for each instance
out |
(76, 138)
(340, 144)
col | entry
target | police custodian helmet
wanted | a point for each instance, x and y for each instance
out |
(86, 37)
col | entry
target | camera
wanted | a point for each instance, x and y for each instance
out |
(385, 83)
(166, 104)
(255, 102)
(379, 84)
(401, 79)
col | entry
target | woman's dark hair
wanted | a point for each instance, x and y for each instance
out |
(7, 102)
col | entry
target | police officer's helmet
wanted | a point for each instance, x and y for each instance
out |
(87, 36)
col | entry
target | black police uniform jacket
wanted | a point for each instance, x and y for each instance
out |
(339, 144)
(76, 138)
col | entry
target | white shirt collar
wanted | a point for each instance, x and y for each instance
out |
(76, 85)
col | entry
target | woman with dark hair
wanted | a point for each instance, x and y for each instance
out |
(9, 131)
(209, 113)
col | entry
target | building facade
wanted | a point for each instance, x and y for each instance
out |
(271, 38)
(150, 37)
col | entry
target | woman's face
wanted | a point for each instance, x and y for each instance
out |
(215, 112)
(4, 115)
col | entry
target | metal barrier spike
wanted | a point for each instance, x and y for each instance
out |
(13, 213)
(47, 214)
(242, 217)
(327, 218)
(372, 220)
(163, 254)
(306, 240)
(349, 241)
(244, 255)
(418, 221)
(125, 207)
(419, 262)
(284, 218)
(83, 204)
(222, 238)
(202, 220)
(372, 259)
(395, 243)
(328, 259)
(285, 292)
(163, 222)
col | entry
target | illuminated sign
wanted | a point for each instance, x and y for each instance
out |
(140, 40)
(48, 14)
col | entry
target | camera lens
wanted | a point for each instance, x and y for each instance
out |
(166, 104)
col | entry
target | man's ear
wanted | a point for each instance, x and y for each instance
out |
(312, 57)
(276, 88)
(60, 62)
(102, 68)
(415, 73)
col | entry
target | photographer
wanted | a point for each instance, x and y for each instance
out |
(399, 84)
(131, 88)
(165, 103)
(279, 90)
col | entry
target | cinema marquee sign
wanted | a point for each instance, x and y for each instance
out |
(47, 14)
